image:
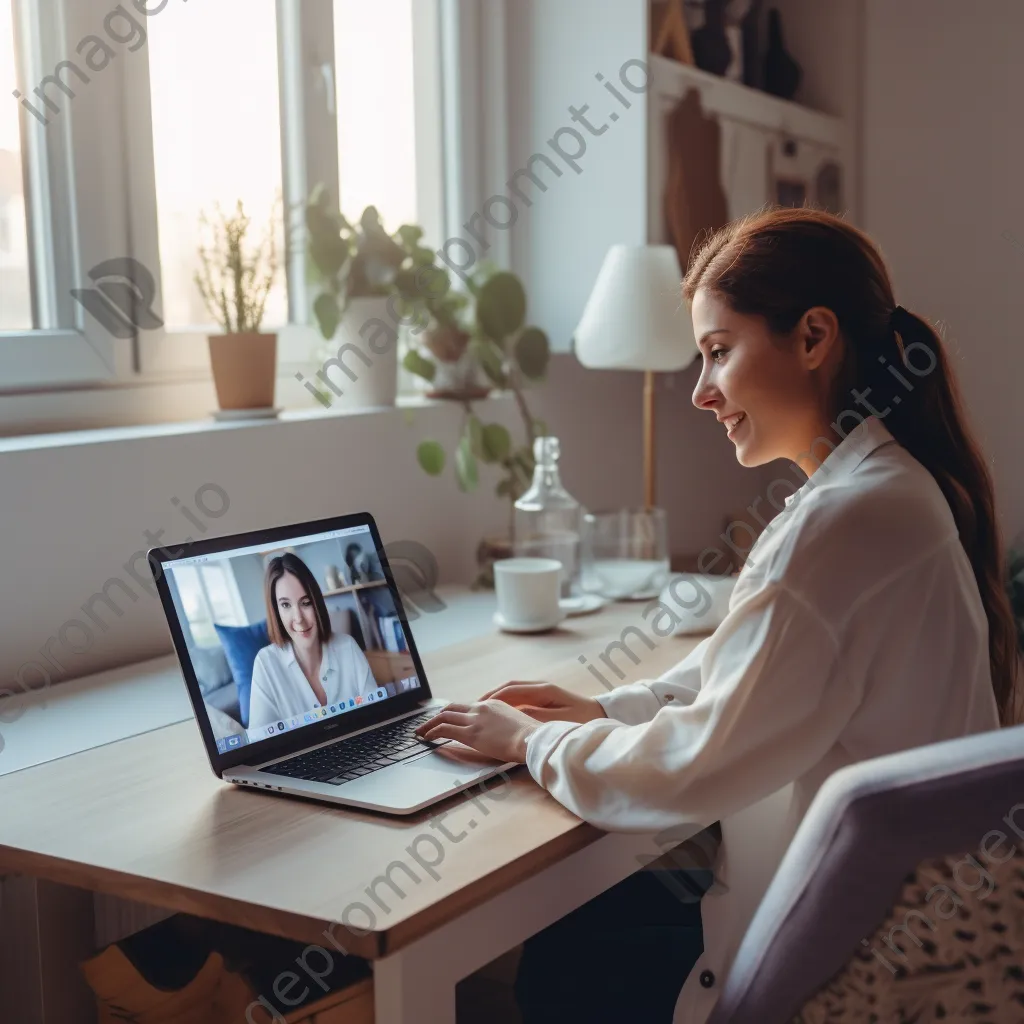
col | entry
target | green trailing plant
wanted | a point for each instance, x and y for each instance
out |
(349, 261)
(487, 320)
(513, 355)
(235, 275)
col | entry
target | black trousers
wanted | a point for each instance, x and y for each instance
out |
(621, 957)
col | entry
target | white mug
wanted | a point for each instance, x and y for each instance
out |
(528, 591)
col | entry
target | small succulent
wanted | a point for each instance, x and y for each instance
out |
(235, 275)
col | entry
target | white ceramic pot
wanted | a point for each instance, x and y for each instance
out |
(460, 380)
(370, 379)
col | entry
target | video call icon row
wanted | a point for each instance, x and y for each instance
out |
(319, 712)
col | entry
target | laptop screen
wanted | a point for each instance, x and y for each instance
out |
(283, 636)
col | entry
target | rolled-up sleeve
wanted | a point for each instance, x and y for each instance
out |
(770, 703)
(640, 702)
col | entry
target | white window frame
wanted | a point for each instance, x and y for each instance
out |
(475, 117)
(224, 567)
(62, 161)
(90, 182)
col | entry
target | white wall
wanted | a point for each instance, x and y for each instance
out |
(555, 50)
(943, 159)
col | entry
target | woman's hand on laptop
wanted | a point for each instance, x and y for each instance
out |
(547, 702)
(490, 727)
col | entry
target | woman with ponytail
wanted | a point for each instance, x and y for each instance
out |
(870, 617)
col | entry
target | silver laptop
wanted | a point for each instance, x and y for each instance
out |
(303, 670)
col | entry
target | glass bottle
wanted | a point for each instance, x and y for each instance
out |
(548, 518)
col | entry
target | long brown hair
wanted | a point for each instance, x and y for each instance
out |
(777, 264)
(276, 568)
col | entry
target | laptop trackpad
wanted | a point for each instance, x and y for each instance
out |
(456, 760)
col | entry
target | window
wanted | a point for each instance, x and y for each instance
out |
(15, 290)
(216, 137)
(376, 109)
(209, 594)
(168, 113)
(65, 232)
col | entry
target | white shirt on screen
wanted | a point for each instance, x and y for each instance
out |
(855, 630)
(280, 689)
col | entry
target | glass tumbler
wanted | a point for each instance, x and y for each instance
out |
(624, 553)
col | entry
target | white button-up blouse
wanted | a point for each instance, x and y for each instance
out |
(280, 688)
(855, 629)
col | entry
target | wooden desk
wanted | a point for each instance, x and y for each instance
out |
(144, 818)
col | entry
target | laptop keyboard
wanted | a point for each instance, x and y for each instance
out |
(356, 756)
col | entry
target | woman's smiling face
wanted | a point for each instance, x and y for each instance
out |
(295, 607)
(765, 391)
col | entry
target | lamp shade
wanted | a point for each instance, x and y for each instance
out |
(636, 318)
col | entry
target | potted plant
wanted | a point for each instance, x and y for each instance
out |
(234, 278)
(438, 349)
(356, 266)
(513, 356)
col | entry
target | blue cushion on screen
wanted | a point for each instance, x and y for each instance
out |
(241, 645)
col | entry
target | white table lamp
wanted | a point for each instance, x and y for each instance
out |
(636, 319)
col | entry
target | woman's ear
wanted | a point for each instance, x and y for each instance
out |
(817, 336)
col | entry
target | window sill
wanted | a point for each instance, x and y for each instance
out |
(405, 405)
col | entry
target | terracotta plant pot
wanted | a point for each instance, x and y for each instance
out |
(244, 369)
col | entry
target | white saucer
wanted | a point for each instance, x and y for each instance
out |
(638, 595)
(583, 604)
(263, 413)
(508, 627)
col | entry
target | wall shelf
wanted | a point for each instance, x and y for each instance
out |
(353, 587)
(740, 102)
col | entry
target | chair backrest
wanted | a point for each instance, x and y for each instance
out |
(870, 825)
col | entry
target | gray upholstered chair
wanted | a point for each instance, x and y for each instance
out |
(900, 898)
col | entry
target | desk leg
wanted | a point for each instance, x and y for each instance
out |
(414, 986)
(417, 983)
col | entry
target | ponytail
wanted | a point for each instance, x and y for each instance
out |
(931, 424)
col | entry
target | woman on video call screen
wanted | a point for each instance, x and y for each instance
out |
(306, 665)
